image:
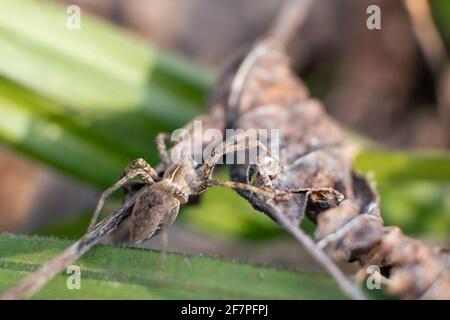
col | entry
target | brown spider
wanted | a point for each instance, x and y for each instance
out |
(157, 208)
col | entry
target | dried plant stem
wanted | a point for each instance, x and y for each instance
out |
(289, 19)
(33, 282)
(427, 34)
(319, 255)
(237, 88)
(434, 50)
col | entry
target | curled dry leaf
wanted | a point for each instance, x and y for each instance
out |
(315, 156)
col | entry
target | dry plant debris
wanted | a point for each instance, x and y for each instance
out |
(314, 155)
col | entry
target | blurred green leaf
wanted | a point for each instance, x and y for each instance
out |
(106, 92)
(414, 188)
(417, 207)
(121, 273)
(441, 14)
(53, 140)
(398, 166)
(98, 68)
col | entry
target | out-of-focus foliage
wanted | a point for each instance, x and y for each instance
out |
(441, 14)
(87, 99)
(395, 167)
(414, 188)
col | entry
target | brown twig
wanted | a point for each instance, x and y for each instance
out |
(319, 255)
(434, 50)
(288, 20)
(250, 64)
(427, 34)
(314, 153)
(413, 270)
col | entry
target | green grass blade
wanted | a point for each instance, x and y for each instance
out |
(121, 273)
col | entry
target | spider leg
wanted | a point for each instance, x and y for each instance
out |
(162, 149)
(137, 168)
(241, 186)
(162, 254)
(226, 147)
(262, 177)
